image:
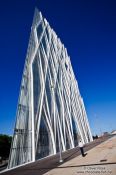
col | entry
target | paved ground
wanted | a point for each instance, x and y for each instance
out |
(99, 160)
(101, 151)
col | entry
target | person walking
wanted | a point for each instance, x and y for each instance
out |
(81, 148)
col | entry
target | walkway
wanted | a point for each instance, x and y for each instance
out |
(99, 160)
(101, 151)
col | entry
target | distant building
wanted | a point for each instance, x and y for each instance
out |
(113, 132)
(50, 113)
(105, 133)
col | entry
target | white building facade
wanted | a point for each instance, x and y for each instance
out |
(50, 113)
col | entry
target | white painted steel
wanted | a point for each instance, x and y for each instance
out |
(50, 116)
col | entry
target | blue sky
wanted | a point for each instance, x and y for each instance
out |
(88, 31)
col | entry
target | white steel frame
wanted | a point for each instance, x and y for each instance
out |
(49, 103)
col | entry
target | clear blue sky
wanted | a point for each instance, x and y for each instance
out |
(87, 29)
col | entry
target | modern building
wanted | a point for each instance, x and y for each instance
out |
(50, 114)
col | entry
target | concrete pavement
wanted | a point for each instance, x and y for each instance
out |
(99, 160)
(98, 151)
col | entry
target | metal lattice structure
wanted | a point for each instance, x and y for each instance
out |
(50, 112)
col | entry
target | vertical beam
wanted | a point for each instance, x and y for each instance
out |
(32, 115)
